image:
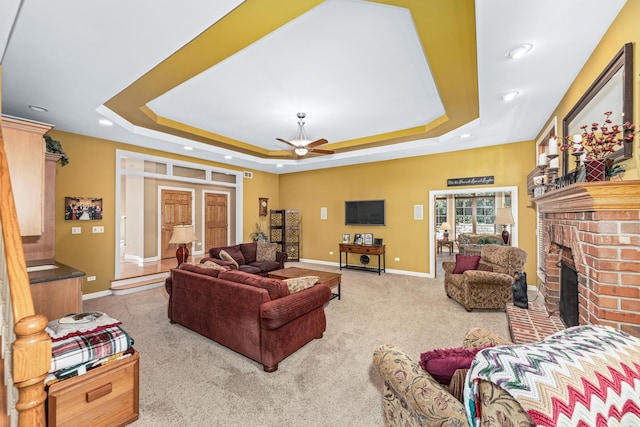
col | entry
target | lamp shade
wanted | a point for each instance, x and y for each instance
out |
(503, 216)
(183, 234)
(445, 226)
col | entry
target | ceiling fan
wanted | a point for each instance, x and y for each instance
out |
(301, 145)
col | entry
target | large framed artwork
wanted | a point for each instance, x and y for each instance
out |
(82, 208)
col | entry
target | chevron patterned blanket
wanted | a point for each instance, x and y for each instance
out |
(581, 376)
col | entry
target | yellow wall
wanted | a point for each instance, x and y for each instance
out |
(402, 183)
(624, 29)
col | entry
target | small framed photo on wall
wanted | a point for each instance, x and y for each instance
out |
(346, 238)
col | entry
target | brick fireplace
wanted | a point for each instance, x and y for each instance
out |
(594, 229)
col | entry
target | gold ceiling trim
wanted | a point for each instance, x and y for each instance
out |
(446, 30)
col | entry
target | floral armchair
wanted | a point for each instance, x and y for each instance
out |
(488, 283)
(412, 397)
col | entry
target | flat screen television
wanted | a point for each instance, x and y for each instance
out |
(364, 212)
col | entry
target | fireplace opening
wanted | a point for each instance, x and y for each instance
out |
(568, 296)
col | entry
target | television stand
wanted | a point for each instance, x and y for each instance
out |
(347, 248)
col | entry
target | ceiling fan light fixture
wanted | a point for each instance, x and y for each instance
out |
(301, 151)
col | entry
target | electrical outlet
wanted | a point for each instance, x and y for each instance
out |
(91, 278)
(330, 252)
(76, 230)
(396, 259)
(98, 229)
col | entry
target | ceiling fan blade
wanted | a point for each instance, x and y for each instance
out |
(317, 150)
(316, 143)
(287, 142)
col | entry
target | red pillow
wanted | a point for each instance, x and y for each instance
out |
(466, 262)
(442, 363)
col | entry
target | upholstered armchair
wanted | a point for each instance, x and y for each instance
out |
(412, 397)
(484, 281)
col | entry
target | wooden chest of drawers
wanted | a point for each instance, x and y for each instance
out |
(104, 396)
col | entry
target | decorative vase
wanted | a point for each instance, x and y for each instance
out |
(596, 170)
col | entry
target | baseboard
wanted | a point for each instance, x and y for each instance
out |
(387, 270)
(96, 295)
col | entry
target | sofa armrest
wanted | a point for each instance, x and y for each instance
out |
(478, 277)
(282, 257)
(412, 391)
(278, 312)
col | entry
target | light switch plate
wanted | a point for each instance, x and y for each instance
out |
(98, 229)
(76, 230)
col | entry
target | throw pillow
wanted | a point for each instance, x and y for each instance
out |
(299, 283)
(442, 363)
(226, 257)
(466, 262)
(213, 265)
(266, 251)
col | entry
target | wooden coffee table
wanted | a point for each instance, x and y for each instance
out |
(326, 277)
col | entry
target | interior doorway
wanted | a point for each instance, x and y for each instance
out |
(175, 209)
(434, 262)
(216, 219)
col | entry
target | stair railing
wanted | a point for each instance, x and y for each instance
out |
(31, 350)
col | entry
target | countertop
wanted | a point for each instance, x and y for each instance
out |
(61, 272)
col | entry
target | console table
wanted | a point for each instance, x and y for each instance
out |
(347, 248)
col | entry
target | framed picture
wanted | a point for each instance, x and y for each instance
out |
(367, 239)
(82, 208)
(346, 238)
(357, 239)
(377, 242)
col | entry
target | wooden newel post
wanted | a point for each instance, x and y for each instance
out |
(31, 363)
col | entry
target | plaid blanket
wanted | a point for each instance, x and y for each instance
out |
(81, 349)
(581, 376)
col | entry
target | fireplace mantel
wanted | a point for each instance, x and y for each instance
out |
(591, 196)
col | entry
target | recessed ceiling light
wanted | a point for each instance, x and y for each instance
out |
(186, 147)
(520, 51)
(105, 122)
(39, 109)
(228, 157)
(465, 135)
(510, 95)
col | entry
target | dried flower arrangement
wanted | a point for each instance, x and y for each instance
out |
(601, 140)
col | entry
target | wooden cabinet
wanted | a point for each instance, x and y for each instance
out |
(57, 298)
(364, 251)
(104, 396)
(25, 150)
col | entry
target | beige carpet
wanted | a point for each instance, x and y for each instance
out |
(188, 380)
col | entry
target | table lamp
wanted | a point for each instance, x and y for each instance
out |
(182, 234)
(445, 226)
(504, 217)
